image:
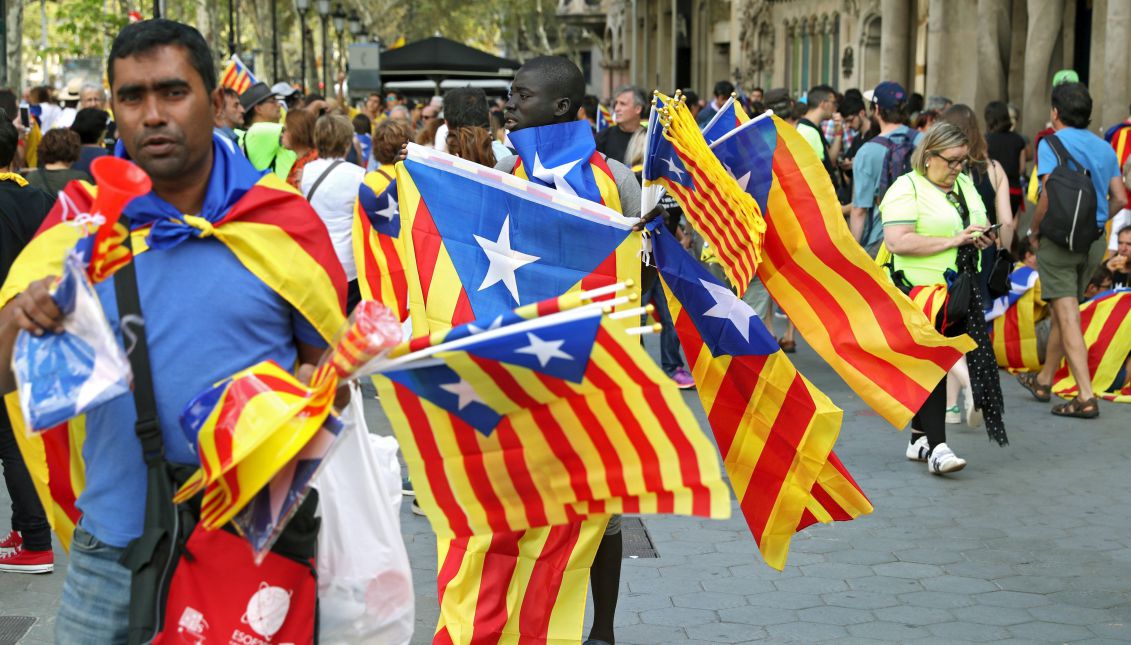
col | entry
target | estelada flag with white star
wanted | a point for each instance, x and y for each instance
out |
(774, 429)
(376, 242)
(544, 422)
(479, 242)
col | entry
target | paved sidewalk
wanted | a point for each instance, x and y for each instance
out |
(1031, 543)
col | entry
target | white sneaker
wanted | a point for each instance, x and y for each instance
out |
(918, 451)
(943, 460)
(973, 417)
(953, 416)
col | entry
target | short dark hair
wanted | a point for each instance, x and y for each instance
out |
(819, 94)
(591, 104)
(9, 103)
(724, 88)
(997, 117)
(229, 92)
(758, 89)
(90, 124)
(561, 74)
(897, 114)
(362, 124)
(59, 145)
(854, 91)
(1073, 104)
(1125, 229)
(312, 97)
(146, 35)
(1102, 275)
(466, 107)
(692, 97)
(9, 140)
(914, 103)
(851, 105)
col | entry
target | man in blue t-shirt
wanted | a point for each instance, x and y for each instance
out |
(889, 101)
(1065, 273)
(206, 315)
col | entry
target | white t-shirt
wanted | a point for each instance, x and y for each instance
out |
(1121, 219)
(334, 202)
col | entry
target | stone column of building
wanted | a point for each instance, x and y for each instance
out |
(1045, 18)
(895, 40)
(994, 40)
(1117, 77)
(941, 55)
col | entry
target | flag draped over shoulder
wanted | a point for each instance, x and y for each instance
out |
(1014, 317)
(237, 76)
(377, 245)
(1106, 323)
(774, 429)
(876, 339)
(266, 224)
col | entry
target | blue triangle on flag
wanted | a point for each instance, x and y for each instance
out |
(559, 350)
(749, 150)
(727, 325)
(507, 249)
(444, 388)
(662, 160)
(382, 210)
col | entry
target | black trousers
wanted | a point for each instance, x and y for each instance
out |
(931, 418)
(27, 512)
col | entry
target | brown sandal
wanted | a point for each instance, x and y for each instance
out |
(787, 346)
(1042, 393)
(1078, 408)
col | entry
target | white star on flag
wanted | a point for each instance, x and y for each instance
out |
(504, 260)
(544, 350)
(465, 394)
(742, 181)
(555, 174)
(672, 168)
(495, 324)
(391, 210)
(729, 307)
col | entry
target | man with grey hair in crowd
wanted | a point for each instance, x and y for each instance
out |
(92, 96)
(625, 142)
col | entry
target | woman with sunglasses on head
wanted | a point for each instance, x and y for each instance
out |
(935, 226)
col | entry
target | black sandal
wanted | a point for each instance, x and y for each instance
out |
(1078, 408)
(1042, 393)
(787, 346)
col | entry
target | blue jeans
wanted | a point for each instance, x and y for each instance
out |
(96, 595)
(669, 340)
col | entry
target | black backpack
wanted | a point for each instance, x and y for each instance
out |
(1070, 220)
(897, 160)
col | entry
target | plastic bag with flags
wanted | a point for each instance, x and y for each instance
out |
(60, 376)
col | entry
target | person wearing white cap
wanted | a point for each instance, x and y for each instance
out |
(287, 93)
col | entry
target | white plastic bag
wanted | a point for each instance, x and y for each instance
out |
(364, 581)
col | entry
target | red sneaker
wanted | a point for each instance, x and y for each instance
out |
(22, 561)
(11, 541)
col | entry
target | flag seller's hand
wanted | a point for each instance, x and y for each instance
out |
(647, 218)
(35, 310)
(403, 154)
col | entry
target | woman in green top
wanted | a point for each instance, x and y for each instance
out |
(934, 225)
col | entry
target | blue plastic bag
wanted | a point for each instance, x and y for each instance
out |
(61, 376)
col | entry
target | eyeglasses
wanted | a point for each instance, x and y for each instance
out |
(953, 164)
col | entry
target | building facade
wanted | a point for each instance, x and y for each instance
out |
(971, 51)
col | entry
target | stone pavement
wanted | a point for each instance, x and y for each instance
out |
(1029, 544)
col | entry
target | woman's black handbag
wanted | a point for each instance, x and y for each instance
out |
(998, 282)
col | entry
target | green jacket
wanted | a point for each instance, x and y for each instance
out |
(263, 145)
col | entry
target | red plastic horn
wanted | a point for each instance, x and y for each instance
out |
(119, 181)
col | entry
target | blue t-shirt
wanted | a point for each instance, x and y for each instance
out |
(207, 317)
(1090, 151)
(868, 165)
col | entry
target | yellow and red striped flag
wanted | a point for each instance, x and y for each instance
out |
(774, 429)
(237, 76)
(1106, 323)
(376, 242)
(875, 338)
(1014, 317)
(441, 297)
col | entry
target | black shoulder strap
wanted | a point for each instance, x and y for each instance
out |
(382, 173)
(132, 323)
(1060, 151)
(318, 182)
